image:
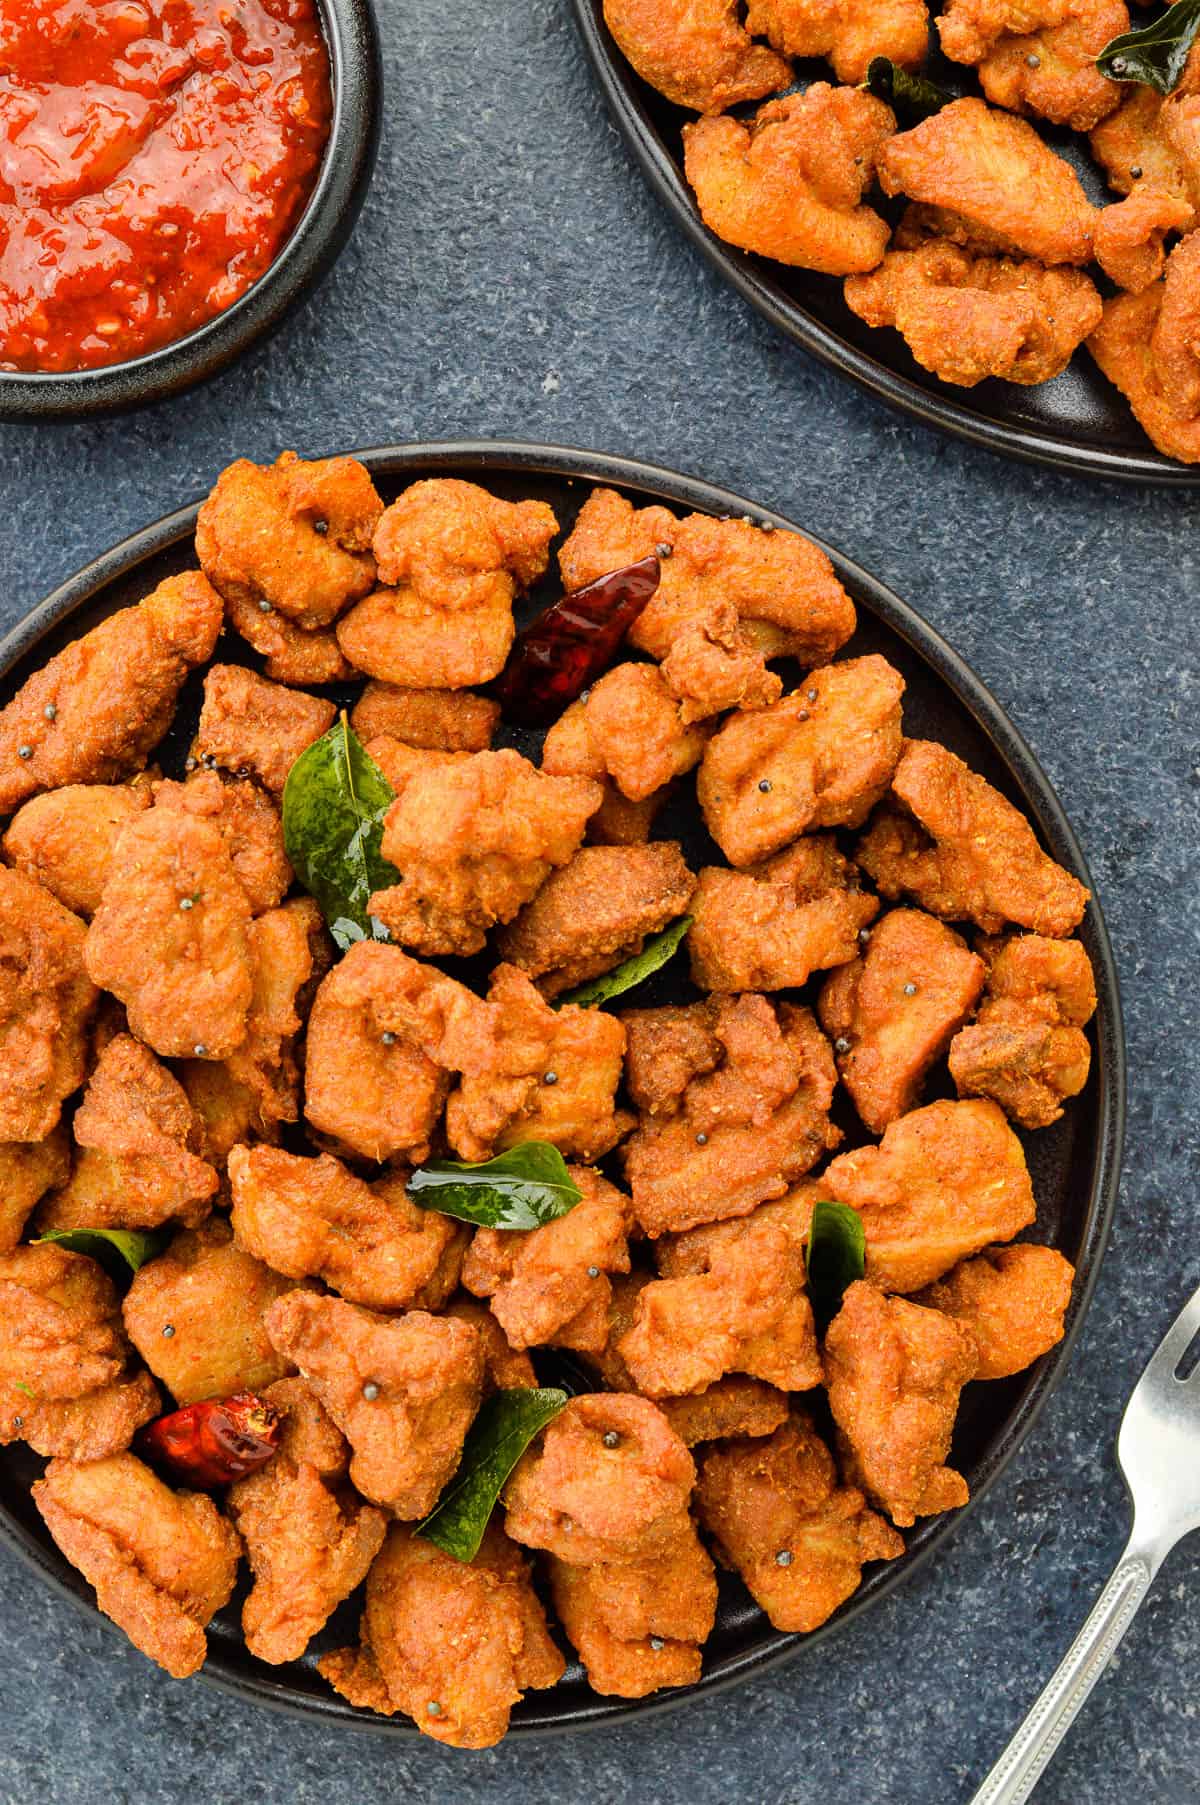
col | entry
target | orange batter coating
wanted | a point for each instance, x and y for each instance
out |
(228, 1112)
(309, 1539)
(444, 720)
(628, 727)
(289, 949)
(821, 757)
(1150, 151)
(65, 839)
(46, 1004)
(28, 1169)
(314, 1218)
(163, 1563)
(403, 1390)
(944, 1182)
(778, 1516)
(893, 1011)
(1027, 1049)
(895, 1371)
(1039, 56)
(1012, 1300)
(250, 825)
(596, 911)
(849, 32)
(454, 559)
(790, 185)
(506, 1368)
(696, 52)
(93, 713)
(293, 655)
(736, 1096)
(964, 852)
(771, 926)
(1146, 345)
(257, 728)
(1131, 236)
(452, 1644)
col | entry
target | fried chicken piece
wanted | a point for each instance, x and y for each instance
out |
(296, 656)
(790, 185)
(567, 751)
(778, 1516)
(597, 911)
(288, 950)
(964, 852)
(228, 1112)
(1027, 1049)
(944, 1182)
(257, 728)
(454, 559)
(506, 1368)
(313, 1217)
(1038, 56)
(821, 757)
(771, 926)
(1147, 347)
(65, 839)
(171, 936)
(46, 1004)
(443, 720)
(94, 712)
(619, 822)
(90, 1427)
(163, 1563)
(250, 825)
(28, 1169)
(894, 1010)
(753, 1115)
(992, 182)
(1012, 1300)
(850, 33)
(894, 1374)
(1131, 236)
(695, 52)
(1150, 151)
(628, 727)
(452, 1644)
(585, 1497)
(403, 1390)
(211, 1295)
(309, 1538)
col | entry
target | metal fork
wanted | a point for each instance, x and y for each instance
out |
(1158, 1452)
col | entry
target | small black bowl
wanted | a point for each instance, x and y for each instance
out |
(356, 72)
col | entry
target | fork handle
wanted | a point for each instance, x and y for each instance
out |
(1024, 1760)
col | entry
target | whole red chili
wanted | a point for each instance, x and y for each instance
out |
(573, 642)
(215, 1442)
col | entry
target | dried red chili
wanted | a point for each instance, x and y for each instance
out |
(573, 642)
(215, 1442)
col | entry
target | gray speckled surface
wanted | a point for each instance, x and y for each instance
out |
(511, 277)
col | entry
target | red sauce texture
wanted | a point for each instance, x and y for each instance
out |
(154, 156)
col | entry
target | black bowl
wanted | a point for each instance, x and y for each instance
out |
(1075, 1164)
(356, 72)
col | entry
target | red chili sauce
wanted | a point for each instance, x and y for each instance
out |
(154, 156)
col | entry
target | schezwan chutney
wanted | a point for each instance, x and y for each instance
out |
(154, 157)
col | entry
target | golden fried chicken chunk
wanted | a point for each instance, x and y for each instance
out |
(1038, 56)
(596, 911)
(894, 1010)
(771, 926)
(443, 720)
(992, 182)
(736, 1110)
(821, 757)
(93, 713)
(1131, 236)
(1149, 149)
(452, 1644)
(1027, 1049)
(549, 1286)
(257, 728)
(628, 727)
(944, 1182)
(1146, 345)
(250, 825)
(964, 852)
(790, 185)
(696, 52)
(453, 559)
(849, 32)
(506, 1368)
(289, 950)
(297, 656)
(1012, 1300)
(228, 1112)
(65, 839)
(314, 1217)
(309, 1538)
(403, 1390)
(195, 1315)
(163, 1563)
(608, 1481)
(894, 1374)
(777, 1515)
(733, 1405)
(28, 1169)
(46, 1004)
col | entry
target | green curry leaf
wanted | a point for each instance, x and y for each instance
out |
(334, 802)
(835, 1256)
(635, 970)
(121, 1251)
(525, 1187)
(911, 97)
(1157, 54)
(497, 1439)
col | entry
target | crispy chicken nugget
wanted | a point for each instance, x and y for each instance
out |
(289, 951)
(93, 713)
(444, 720)
(964, 852)
(228, 1112)
(506, 1368)
(1027, 1049)
(297, 656)
(1038, 56)
(628, 727)
(849, 32)
(779, 1517)
(28, 1169)
(895, 1371)
(90, 1427)
(250, 825)
(1146, 345)
(65, 839)
(1012, 1300)
(1131, 237)
(163, 1563)
(46, 1004)
(257, 728)
(696, 52)
(944, 1182)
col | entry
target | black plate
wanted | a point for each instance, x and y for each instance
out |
(1075, 1164)
(1078, 422)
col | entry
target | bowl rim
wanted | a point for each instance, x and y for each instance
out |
(306, 255)
(474, 459)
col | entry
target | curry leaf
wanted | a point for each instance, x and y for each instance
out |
(1157, 54)
(911, 97)
(497, 1439)
(526, 1187)
(334, 802)
(835, 1256)
(653, 956)
(121, 1251)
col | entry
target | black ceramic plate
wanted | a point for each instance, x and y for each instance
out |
(1077, 422)
(1075, 1164)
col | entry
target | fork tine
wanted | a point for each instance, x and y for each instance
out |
(1175, 1342)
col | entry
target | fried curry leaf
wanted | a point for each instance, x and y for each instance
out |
(121, 1251)
(334, 802)
(497, 1439)
(1157, 54)
(836, 1255)
(653, 956)
(911, 97)
(526, 1187)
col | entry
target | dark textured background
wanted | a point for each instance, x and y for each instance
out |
(510, 277)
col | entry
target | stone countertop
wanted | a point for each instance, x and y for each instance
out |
(512, 277)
